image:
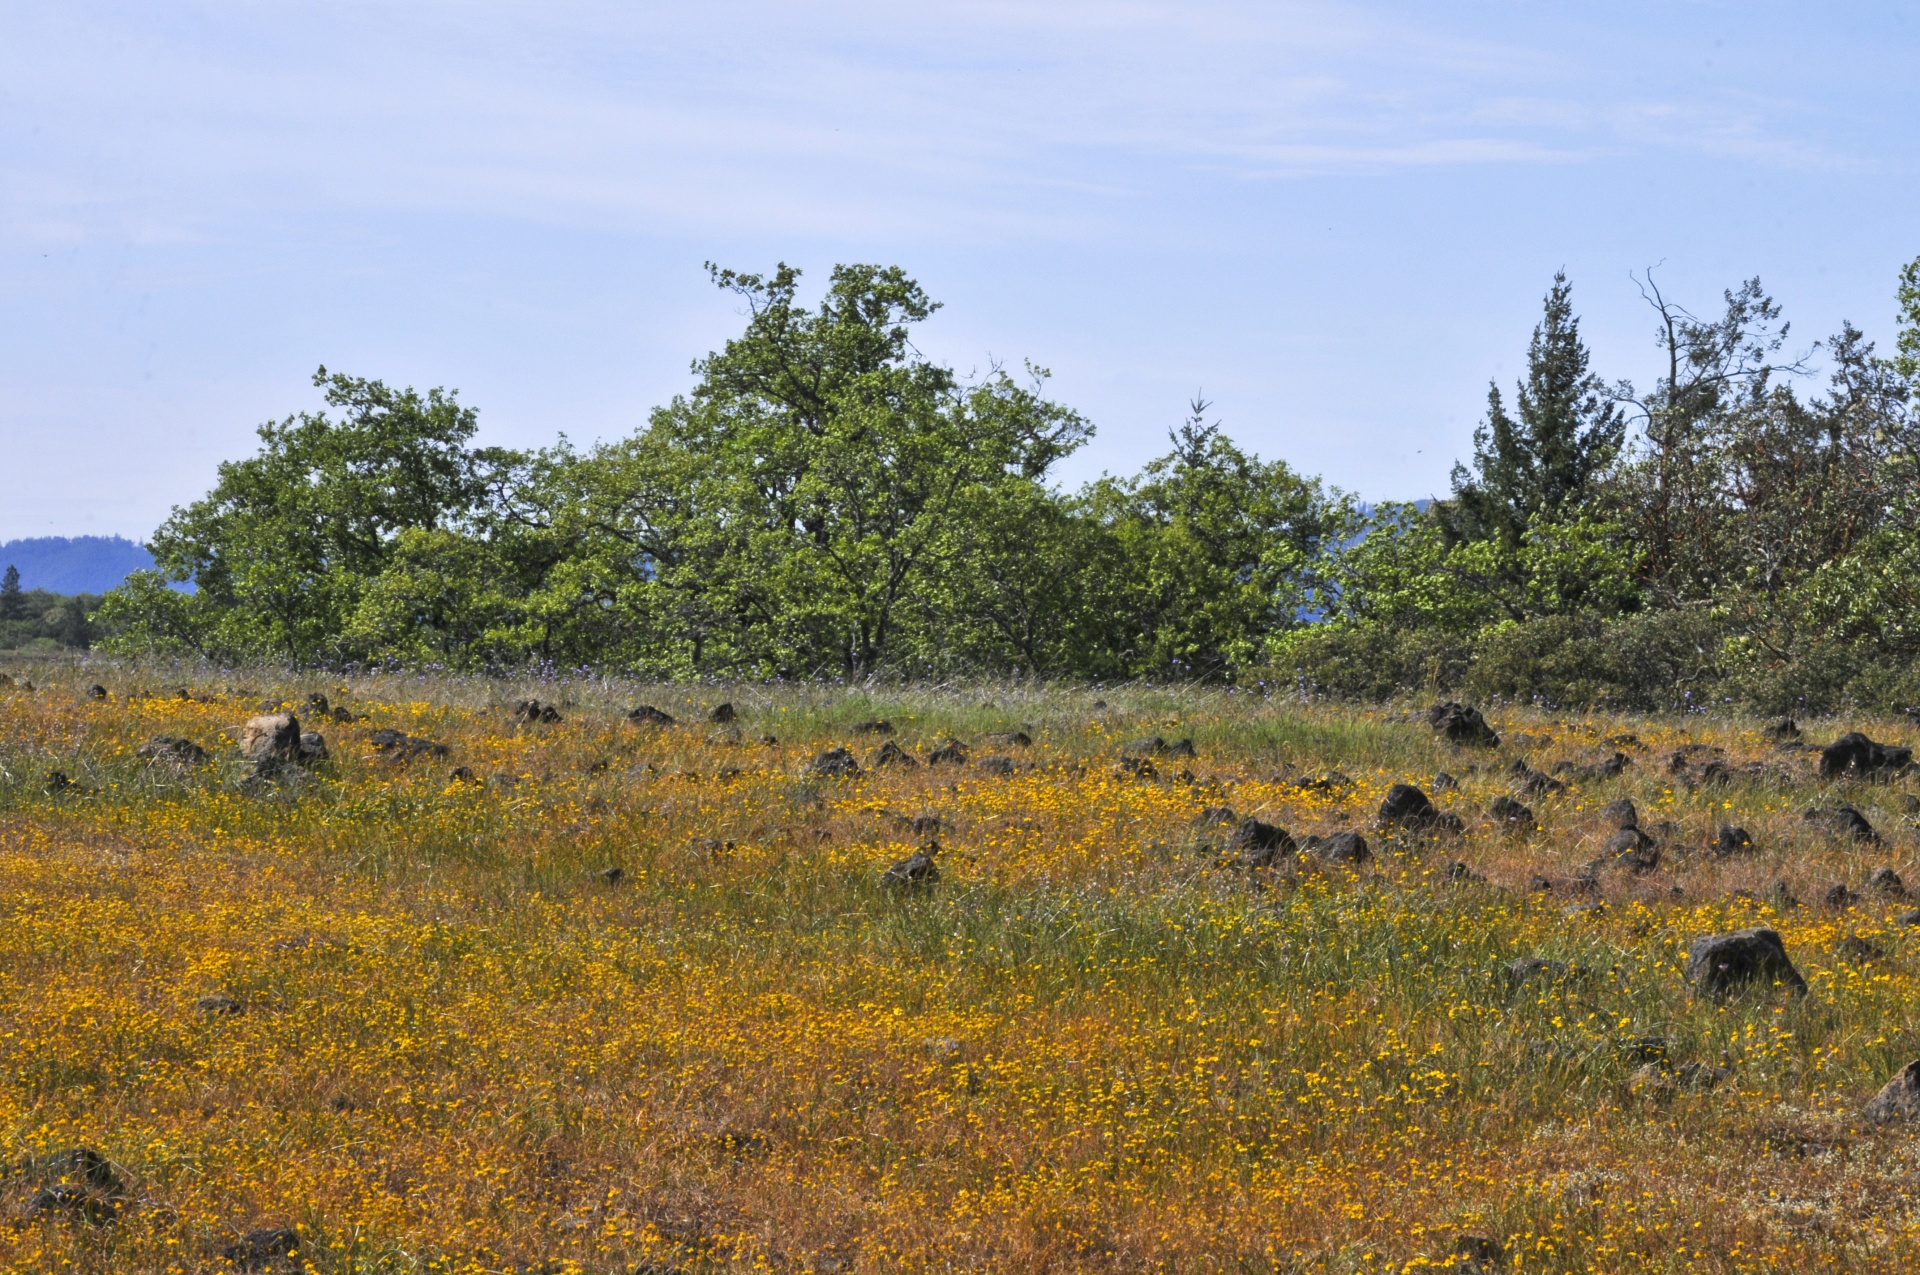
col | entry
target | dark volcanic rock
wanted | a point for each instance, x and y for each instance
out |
(1612, 768)
(648, 715)
(1853, 755)
(1255, 844)
(951, 753)
(1011, 739)
(1406, 807)
(1842, 821)
(171, 750)
(404, 747)
(1731, 841)
(873, 726)
(722, 714)
(1151, 746)
(891, 754)
(915, 872)
(997, 765)
(1510, 815)
(1530, 782)
(1898, 1100)
(263, 1249)
(1462, 724)
(532, 710)
(1349, 848)
(1886, 883)
(1621, 813)
(1443, 782)
(1782, 730)
(1216, 815)
(1721, 964)
(1530, 969)
(835, 763)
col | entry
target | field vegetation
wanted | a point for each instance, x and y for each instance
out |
(592, 993)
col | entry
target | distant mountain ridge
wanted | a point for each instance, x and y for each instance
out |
(74, 564)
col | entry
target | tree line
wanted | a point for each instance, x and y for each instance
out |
(827, 502)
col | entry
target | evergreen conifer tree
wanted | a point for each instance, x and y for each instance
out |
(1566, 433)
(13, 603)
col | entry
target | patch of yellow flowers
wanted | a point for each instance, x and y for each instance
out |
(415, 1019)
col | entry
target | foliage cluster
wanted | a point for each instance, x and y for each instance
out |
(39, 620)
(828, 502)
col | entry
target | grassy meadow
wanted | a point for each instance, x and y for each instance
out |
(412, 1016)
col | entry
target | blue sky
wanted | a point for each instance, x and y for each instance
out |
(1335, 219)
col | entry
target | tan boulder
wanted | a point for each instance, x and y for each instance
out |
(271, 737)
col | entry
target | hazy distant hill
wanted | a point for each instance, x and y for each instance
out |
(80, 564)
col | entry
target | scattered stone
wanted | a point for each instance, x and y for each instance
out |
(1010, 739)
(1721, 964)
(1528, 969)
(533, 711)
(1858, 951)
(1216, 815)
(1443, 782)
(1477, 1255)
(316, 704)
(264, 1249)
(1782, 730)
(1886, 883)
(1511, 815)
(873, 726)
(1612, 768)
(915, 872)
(1180, 748)
(613, 876)
(219, 1005)
(60, 785)
(1908, 918)
(313, 748)
(835, 763)
(1002, 766)
(1779, 897)
(1844, 822)
(271, 737)
(1256, 844)
(463, 775)
(1462, 725)
(1731, 841)
(1407, 808)
(1839, 897)
(400, 746)
(1650, 1081)
(722, 714)
(769, 741)
(1581, 911)
(1910, 803)
(726, 737)
(96, 691)
(1689, 756)
(1458, 873)
(950, 753)
(81, 1183)
(1633, 850)
(1645, 1049)
(1135, 768)
(1703, 1077)
(1349, 848)
(1621, 813)
(1530, 782)
(1524, 740)
(345, 717)
(1538, 884)
(1151, 746)
(1898, 1100)
(1331, 782)
(1623, 741)
(1853, 755)
(891, 754)
(648, 715)
(171, 750)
